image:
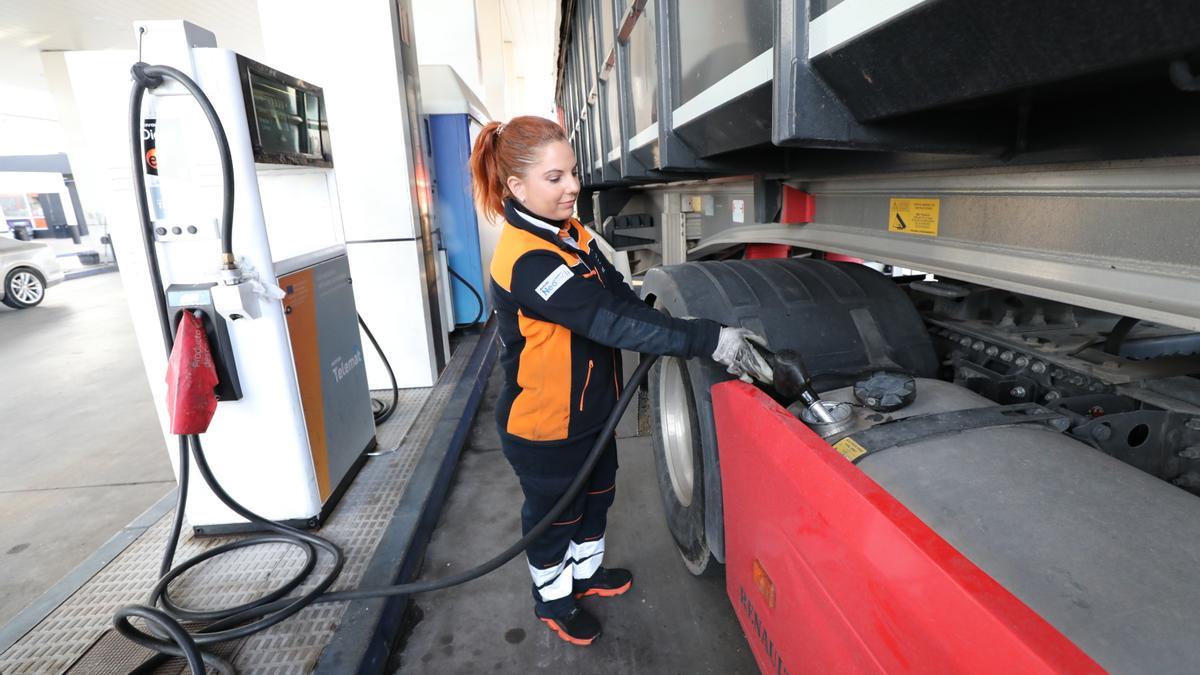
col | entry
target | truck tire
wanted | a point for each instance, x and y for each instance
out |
(24, 287)
(679, 458)
(845, 319)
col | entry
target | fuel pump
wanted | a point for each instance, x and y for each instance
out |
(280, 317)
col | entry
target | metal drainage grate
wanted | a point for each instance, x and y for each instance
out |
(112, 654)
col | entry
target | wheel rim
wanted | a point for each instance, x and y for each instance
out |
(26, 288)
(675, 427)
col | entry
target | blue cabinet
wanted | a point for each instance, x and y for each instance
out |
(450, 138)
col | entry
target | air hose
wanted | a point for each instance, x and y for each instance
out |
(164, 618)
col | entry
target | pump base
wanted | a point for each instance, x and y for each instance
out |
(312, 523)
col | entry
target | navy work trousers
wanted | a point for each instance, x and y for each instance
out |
(573, 547)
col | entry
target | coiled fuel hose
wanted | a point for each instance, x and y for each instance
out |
(162, 618)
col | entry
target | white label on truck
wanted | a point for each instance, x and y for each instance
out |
(739, 210)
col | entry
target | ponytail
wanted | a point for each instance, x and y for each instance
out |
(503, 150)
(485, 174)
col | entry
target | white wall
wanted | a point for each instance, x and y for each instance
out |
(505, 50)
(529, 29)
(447, 33)
(28, 122)
(491, 62)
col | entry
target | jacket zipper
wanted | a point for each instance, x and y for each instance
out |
(586, 382)
(616, 377)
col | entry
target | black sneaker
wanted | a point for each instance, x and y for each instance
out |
(606, 583)
(577, 627)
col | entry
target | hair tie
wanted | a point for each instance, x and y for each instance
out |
(500, 129)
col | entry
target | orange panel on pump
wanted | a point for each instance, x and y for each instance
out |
(301, 312)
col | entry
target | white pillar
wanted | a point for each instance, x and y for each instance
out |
(361, 56)
(491, 57)
(447, 33)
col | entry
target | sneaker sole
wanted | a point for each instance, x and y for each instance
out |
(605, 592)
(582, 642)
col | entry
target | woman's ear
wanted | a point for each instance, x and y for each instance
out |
(517, 188)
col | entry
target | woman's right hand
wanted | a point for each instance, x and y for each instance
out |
(737, 352)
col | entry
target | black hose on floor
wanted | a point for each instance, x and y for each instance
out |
(162, 619)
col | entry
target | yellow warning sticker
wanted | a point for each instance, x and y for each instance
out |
(850, 448)
(914, 216)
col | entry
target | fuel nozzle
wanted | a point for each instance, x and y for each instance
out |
(794, 382)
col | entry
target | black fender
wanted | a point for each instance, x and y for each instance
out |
(843, 318)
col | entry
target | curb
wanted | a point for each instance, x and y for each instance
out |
(364, 639)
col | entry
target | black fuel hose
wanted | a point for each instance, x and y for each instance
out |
(163, 618)
(262, 613)
(142, 81)
(148, 77)
(585, 472)
(385, 411)
(478, 297)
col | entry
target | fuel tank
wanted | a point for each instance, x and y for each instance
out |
(1101, 550)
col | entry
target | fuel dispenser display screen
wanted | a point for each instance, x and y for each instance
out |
(286, 115)
(276, 116)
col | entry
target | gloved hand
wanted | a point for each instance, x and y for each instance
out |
(736, 351)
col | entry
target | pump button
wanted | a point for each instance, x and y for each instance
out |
(885, 392)
(177, 230)
(160, 231)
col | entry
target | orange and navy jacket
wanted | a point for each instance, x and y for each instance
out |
(564, 314)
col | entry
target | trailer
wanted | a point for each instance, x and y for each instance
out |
(977, 222)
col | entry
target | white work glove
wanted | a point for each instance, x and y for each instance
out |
(736, 351)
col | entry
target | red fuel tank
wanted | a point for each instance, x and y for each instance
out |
(828, 572)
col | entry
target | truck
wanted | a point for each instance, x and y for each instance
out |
(977, 223)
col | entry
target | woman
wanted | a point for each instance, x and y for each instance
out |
(564, 314)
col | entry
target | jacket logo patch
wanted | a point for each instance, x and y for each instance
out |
(552, 283)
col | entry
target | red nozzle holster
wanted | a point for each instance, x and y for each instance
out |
(191, 377)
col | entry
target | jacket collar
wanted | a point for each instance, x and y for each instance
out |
(551, 230)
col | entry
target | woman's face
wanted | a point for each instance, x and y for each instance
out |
(551, 185)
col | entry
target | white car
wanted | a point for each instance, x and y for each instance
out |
(27, 269)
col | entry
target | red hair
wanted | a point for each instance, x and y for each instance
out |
(504, 150)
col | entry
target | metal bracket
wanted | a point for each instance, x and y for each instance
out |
(629, 20)
(1161, 443)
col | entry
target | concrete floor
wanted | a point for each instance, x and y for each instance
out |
(81, 454)
(669, 622)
